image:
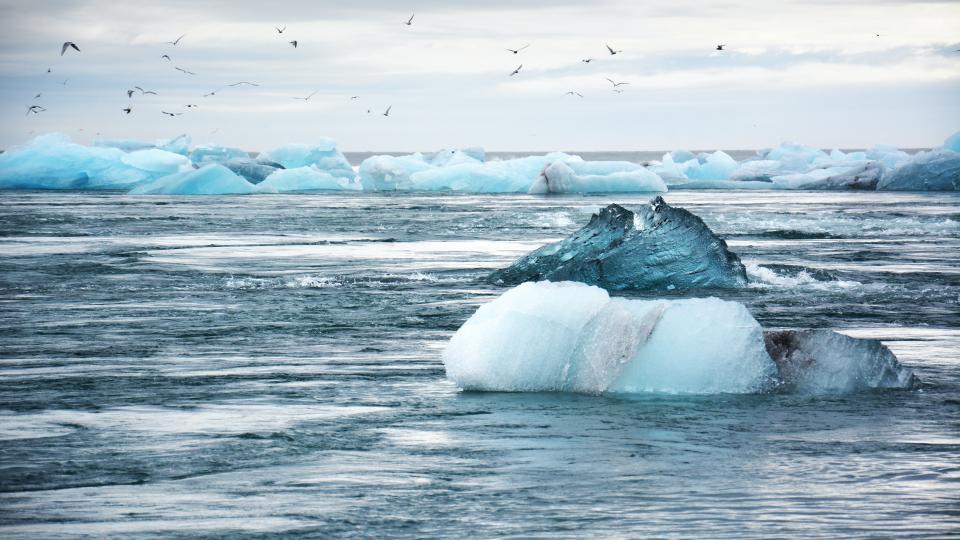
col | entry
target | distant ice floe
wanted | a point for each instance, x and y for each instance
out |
(572, 337)
(54, 162)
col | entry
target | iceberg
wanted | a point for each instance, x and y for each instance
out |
(937, 170)
(596, 177)
(656, 247)
(952, 143)
(53, 162)
(716, 166)
(455, 157)
(572, 337)
(864, 176)
(304, 179)
(823, 361)
(202, 155)
(207, 180)
(323, 155)
(178, 145)
(388, 173)
(254, 171)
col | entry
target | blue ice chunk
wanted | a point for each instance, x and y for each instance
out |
(324, 155)
(596, 177)
(389, 173)
(254, 171)
(202, 155)
(716, 166)
(952, 143)
(305, 179)
(938, 170)
(207, 180)
(178, 145)
(656, 247)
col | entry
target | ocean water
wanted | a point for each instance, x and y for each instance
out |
(270, 365)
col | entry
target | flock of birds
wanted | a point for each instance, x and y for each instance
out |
(69, 45)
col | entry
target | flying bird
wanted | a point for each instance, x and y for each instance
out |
(129, 94)
(48, 70)
(127, 110)
(308, 97)
(280, 30)
(617, 90)
(516, 51)
(65, 81)
(294, 43)
(410, 20)
(189, 105)
(145, 92)
(616, 84)
(354, 97)
(35, 109)
(721, 46)
(242, 83)
(171, 114)
(572, 93)
(183, 70)
(516, 70)
(211, 93)
(587, 60)
(67, 45)
(613, 52)
(166, 57)
(38, 95)
(176, 41)
(387, 112)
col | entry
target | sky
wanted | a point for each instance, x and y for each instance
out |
(814, 72)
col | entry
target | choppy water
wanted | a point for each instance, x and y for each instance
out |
(270, 364)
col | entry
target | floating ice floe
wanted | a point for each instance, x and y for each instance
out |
(572, 337)
(573, 176)
(323, 155)
(937, 170)
(207, 180)
(656, 247)
(305, 179)
(202, 155)
(53, 162)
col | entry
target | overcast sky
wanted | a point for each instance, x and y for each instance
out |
(806, 71)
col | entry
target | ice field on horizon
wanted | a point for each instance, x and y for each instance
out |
(171, 167)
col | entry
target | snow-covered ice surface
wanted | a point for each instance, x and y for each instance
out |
(225, 366)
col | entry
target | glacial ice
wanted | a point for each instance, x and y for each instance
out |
(178, 145)
(572, 337)
(202, 155)
(656, 247)
(938, 170)
(304, 179)
(823, 361)
(388, 173)
(254, 171)
(952, 143)
(207, 180)
(53, 162)
(596, 177)
(323, 155)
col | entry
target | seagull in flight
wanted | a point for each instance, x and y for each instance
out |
(68, 45)
(189, 106)
(242, 83)
(280, 30)
(127, 110)
(617, 90)
(516, 51)
(616, 84)
(721, 46)
(387, 112)
(308, 97)
(176, 41)
(171, 114)
(613, 52)
(294, 43)
(145, 92)
(211, 93)
(410, 20)
(516, 70)
(38, 95)
(35, 109)
(587, 60)
(183, 70)
(65, 81)
(165, 57)
(129, 94)
(572, 93)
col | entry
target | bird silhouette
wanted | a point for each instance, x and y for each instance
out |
(176, 41)
(67, 45)
(721, 46)
(171, 114)
(354, 97)
(516, 70)
(242, 83)
(517, 51)
(38, 95)
(618, 91)
(145, 92)
(165, 57)
(211, 93)
(294, 43)
(613, 52)
(572, 93)
(129, 94)
(183, 70)
(280, 30)
(308, 97)
(387, 112)
(616, 84)
(35, 109)
(191, 106)
(410, 20)
(127, 110)
(587, 60)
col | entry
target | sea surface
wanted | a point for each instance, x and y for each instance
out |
(270, 365)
